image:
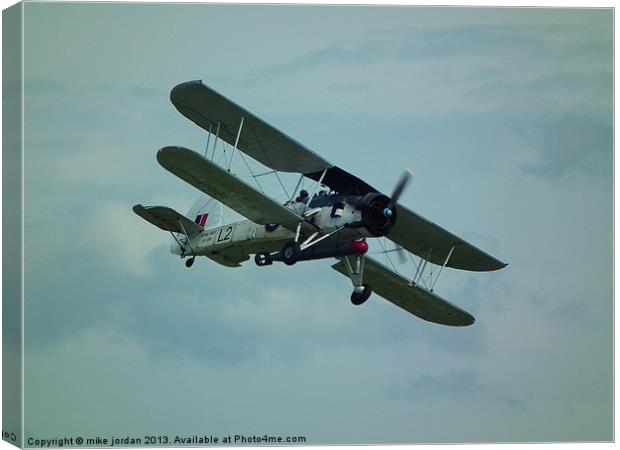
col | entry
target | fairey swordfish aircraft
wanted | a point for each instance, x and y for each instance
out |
(334, 220)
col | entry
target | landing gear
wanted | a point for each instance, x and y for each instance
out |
(190, 262)
(290, 253)
(360, 294)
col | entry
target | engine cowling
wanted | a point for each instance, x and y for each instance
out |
(377, 216)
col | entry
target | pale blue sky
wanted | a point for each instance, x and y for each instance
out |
(505, 117)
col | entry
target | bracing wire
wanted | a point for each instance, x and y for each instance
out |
(260, 144)
(223, 156)
(385, 252)
(282, 184)
(416, 265)
(255, 177)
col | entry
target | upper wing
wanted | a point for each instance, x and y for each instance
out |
(271, 147)
(167, 219)
(418, 301)
(261, 141)
(206, 107)
(230, 190)
(430, 241)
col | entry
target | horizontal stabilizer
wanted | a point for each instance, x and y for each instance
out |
(167, 219)
(211, 179)
(415, 299)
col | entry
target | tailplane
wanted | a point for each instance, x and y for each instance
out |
(204, 214)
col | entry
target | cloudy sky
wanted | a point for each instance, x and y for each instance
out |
(505, 118)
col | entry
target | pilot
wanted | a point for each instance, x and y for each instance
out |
(300, 202)
(303, 197)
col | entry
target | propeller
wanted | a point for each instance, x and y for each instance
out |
(396, 193)
(379, 213)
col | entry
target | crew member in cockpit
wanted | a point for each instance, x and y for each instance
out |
(303, 197)
(301, 202)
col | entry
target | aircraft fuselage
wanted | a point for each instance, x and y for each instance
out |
(254, 238)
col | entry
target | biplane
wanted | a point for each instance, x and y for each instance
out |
(334, 220)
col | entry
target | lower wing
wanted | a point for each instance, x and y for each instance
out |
(414, 299)
(233, 192)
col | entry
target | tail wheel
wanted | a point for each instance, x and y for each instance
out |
(190, 262)
(357, 298)
(290, 253)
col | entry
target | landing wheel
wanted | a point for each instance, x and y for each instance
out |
(290, 253)
(190, 262)
(357, 298)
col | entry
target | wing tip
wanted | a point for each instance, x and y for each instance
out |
(164, 153)
(496, 265)
(180, 90)
(139, 209)
(463, 320)
(469, 321)
(500, 265)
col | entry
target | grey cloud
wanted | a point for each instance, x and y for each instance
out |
(582, 312)
(82, 89)
(572, 147)
(519, 43)
(544, 92)
(143, 91)
(454, 385)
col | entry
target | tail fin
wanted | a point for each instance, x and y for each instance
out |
(206, 212)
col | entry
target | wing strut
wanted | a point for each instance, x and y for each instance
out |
(301, 177)
(316, 186)
(178, 242)
(421, 267)
(208, 140)
(217, 135)
(189, 242)
(444, 265)
(236, 143)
